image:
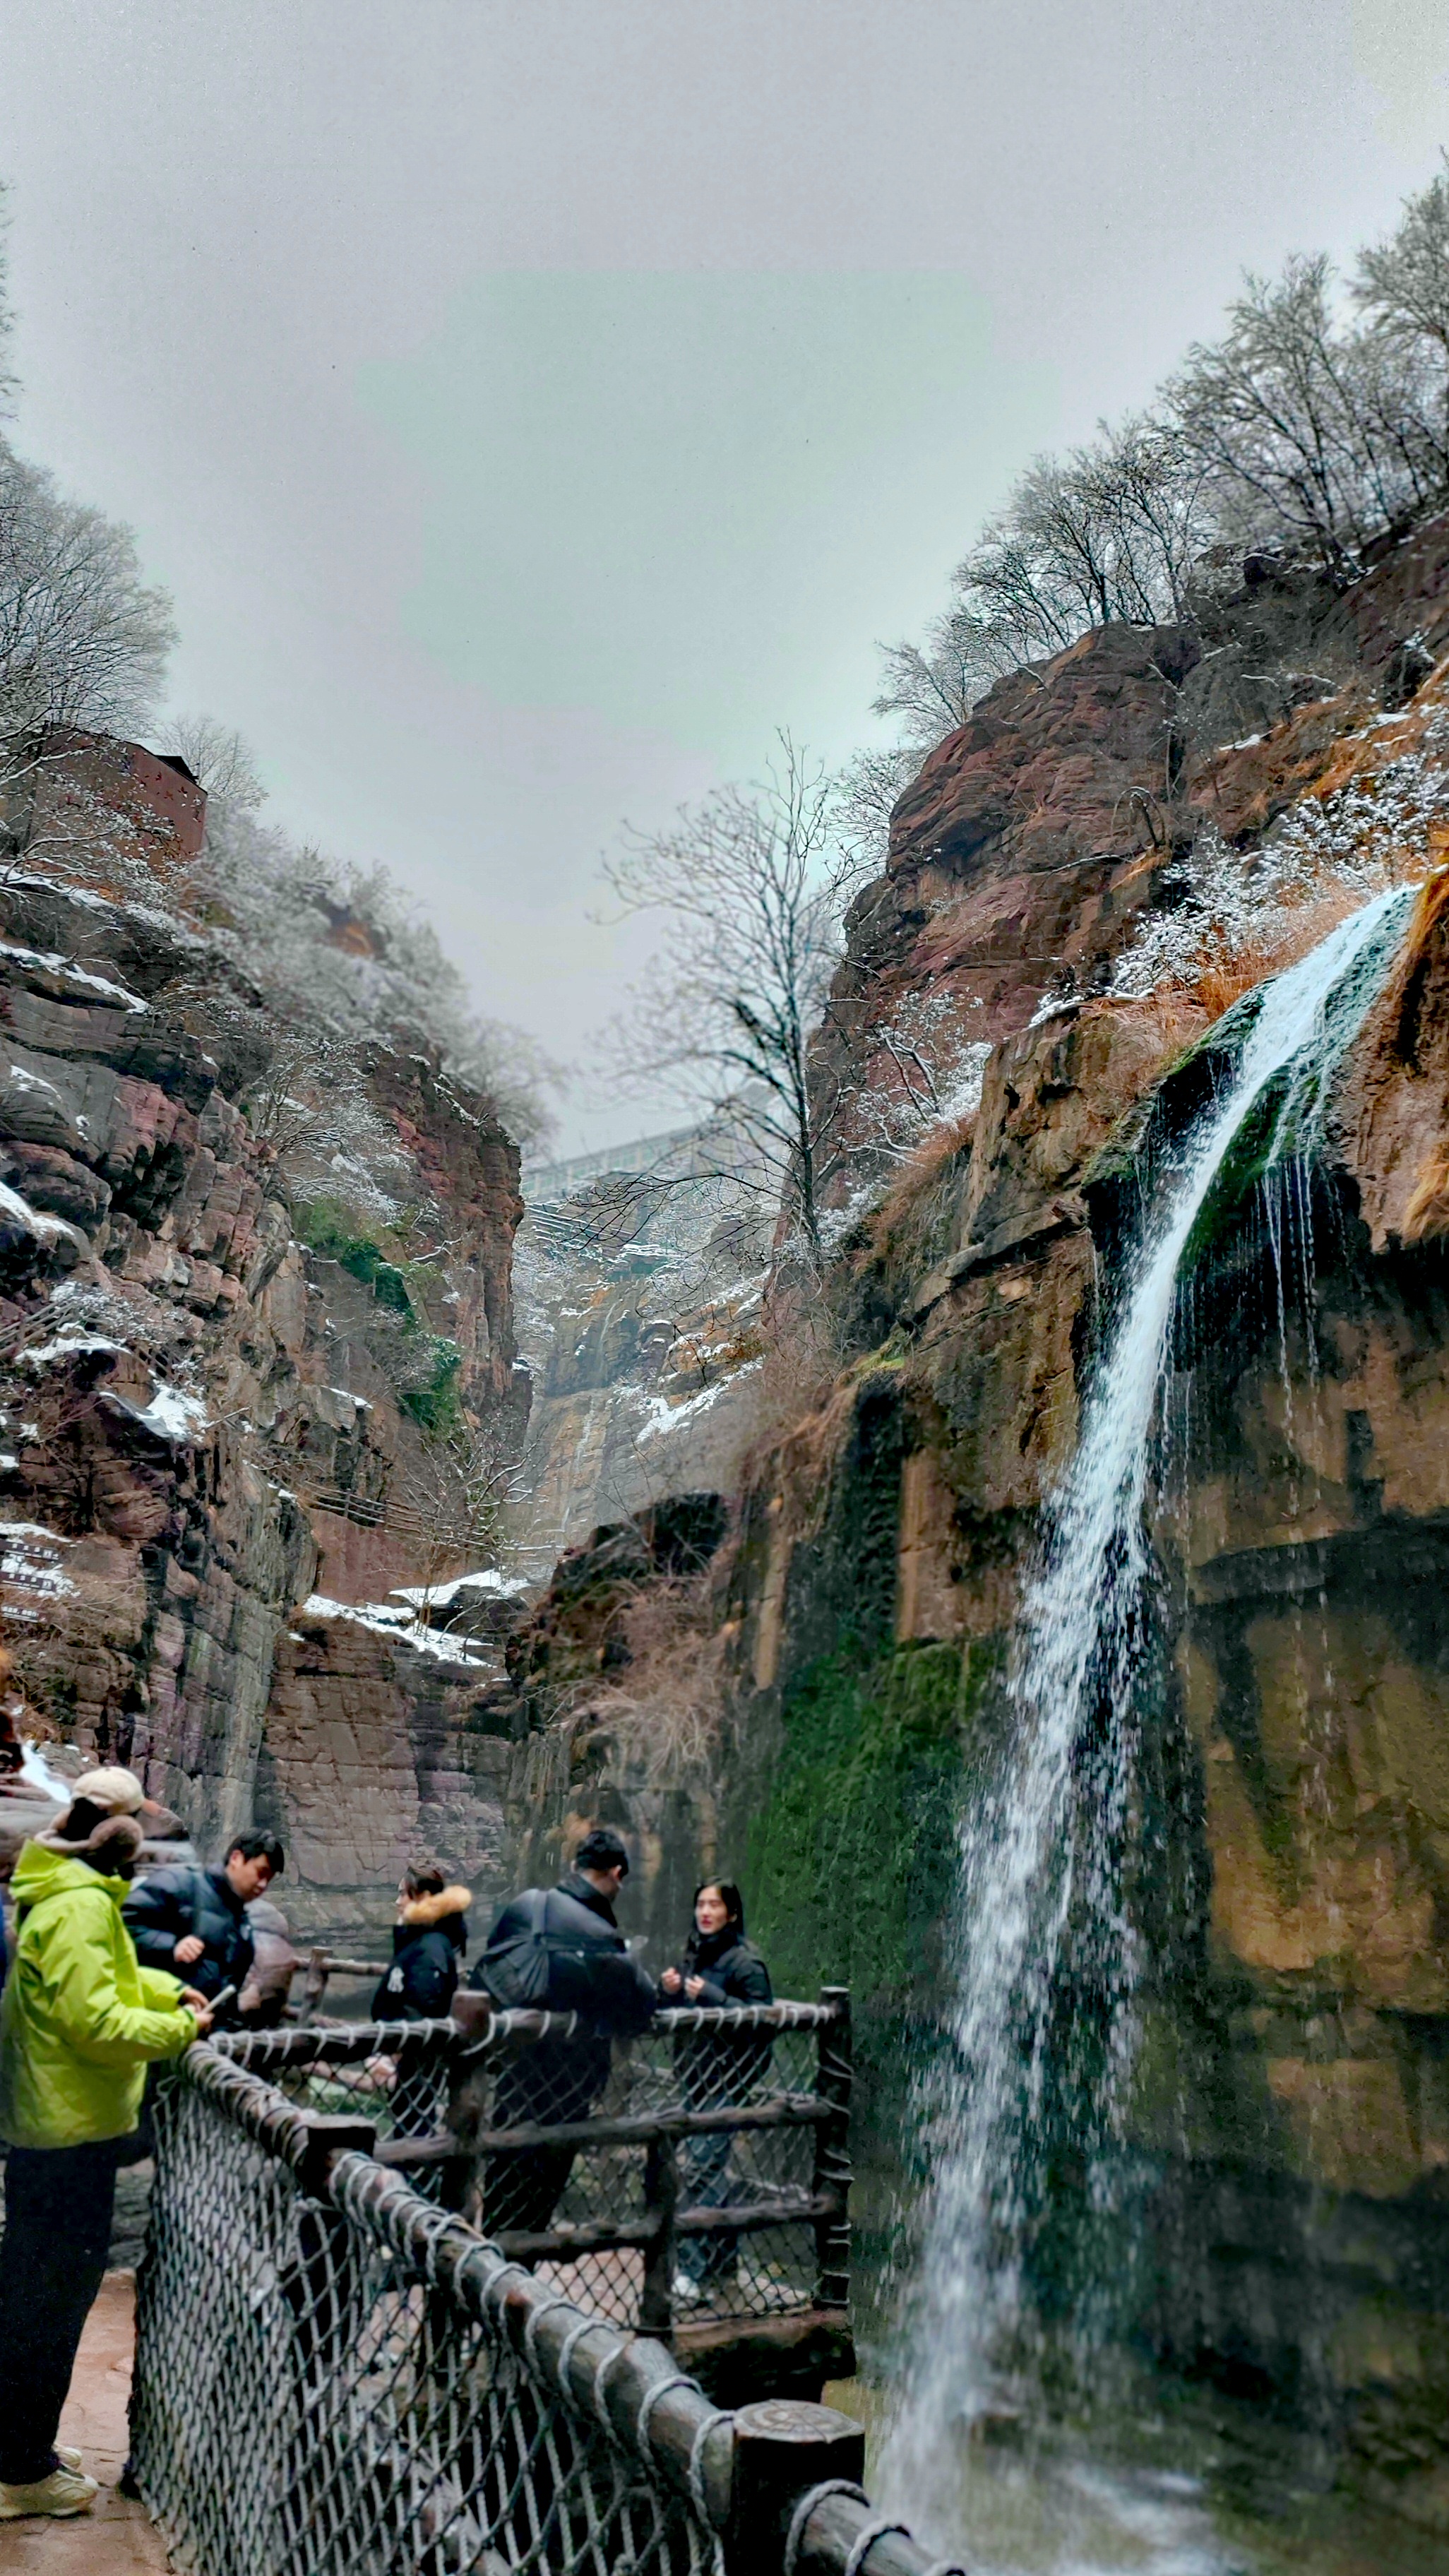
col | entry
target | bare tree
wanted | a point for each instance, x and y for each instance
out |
(1402, 286)
(82, 639)
(1106, 535)
(748, 895)
(1109, 533)
(455, 1497)
(219, 760)
(933, 686)
(1300, 423)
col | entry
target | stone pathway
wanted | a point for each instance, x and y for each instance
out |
(117, 2538)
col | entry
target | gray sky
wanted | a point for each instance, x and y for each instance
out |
(531, 406)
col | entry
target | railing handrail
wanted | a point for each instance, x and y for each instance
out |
(342, 2044)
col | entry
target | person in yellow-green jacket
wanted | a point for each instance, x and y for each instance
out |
(81, 2021)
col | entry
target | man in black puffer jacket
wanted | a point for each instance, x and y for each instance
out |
(590, 1972)
(193, 1923)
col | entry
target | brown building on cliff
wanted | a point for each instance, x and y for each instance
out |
(67, 777)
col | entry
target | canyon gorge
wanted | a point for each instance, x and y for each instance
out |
(793, 1524)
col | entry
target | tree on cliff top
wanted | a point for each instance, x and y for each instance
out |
(1317, 424)
(342, 948)
(83, 639)
(724, 1018)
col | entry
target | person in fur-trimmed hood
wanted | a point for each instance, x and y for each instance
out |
(428, 1941)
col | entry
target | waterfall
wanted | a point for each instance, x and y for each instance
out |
(1042, 2027)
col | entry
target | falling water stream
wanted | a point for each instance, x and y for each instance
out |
(1043, 2026)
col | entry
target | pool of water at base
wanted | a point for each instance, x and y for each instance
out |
(1190, 2485)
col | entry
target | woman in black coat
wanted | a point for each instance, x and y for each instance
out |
(428, 1941)
(427, 1959)
(719, 1968)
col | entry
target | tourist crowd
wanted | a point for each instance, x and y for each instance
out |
(113, 1973)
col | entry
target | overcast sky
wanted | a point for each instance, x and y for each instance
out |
(530, 406)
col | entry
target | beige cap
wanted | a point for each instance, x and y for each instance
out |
(119, 1792)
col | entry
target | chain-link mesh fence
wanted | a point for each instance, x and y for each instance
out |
(341, 2378)
(696, 2171)
(335, 2378)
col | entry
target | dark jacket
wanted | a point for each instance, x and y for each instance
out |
(589, 1967)
(427, 1958)
(731, 1967)
(721, 2067)
(172, 1903)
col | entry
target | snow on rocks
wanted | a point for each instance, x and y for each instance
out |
(174, 1416)
(442, 1596)
(33, 1221)
(66, 971)
(400, 1626)
(66, 1347)
(1371, 833)
(663, 1419)
(30, 1562)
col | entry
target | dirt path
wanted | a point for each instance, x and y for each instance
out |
(116, 2539)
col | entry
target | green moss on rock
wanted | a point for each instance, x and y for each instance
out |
(850, 1858)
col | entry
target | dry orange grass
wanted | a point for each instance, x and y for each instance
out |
(662, 1716)
(920, 1171)
(1227, 971)
(1426, 1218)
(1422, 946)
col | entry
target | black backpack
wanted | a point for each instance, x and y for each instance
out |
(516, 1974)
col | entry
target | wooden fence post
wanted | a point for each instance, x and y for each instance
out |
(661, 2195)
(783, 2447)
(833, 2079)
(315, 1984)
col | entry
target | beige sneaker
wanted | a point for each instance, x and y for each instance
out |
(65, 2491)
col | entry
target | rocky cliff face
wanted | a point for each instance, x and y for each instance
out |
(196, 1441)
(1291, 2102)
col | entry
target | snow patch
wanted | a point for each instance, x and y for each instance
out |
(662, 1419)
(57, 965)
(174, 1416)
(29, 1558)
(37, 1771)
(67, 1346)
(45, 1229)
(443, 1595)
(399, 1626)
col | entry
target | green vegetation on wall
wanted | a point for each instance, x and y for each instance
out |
(434, 1404)
(324, 1227)
(850, 1859)
(427, 1384)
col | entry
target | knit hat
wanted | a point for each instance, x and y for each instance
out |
(114, 1791)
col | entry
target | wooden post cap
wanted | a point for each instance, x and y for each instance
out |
(783, 2447)
(471, 2012)
(794, 2422)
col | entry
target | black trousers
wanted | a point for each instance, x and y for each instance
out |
(58, 2204)
(556, 2081)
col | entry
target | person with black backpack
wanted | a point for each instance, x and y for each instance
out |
(558, 1950)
